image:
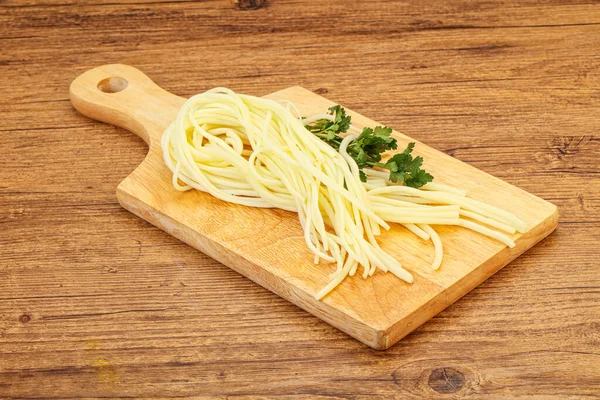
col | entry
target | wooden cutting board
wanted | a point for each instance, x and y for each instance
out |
(267, 246)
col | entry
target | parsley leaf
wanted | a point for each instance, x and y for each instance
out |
(373, 142)
(367, 148)
(406, 169)
(341, 120)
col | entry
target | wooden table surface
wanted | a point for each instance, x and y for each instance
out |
(95, 302)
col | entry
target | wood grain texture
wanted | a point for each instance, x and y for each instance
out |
(98, 303)
(268, 247)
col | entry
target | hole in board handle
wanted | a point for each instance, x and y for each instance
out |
(112, 85)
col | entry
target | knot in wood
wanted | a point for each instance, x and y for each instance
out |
(446, 380)
(249, 4)
(24, 318)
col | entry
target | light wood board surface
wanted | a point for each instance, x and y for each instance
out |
(268, 246)
(97, 302)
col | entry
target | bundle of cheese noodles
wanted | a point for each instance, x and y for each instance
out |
(256, 152)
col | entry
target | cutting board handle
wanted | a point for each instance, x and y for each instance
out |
(124, 96)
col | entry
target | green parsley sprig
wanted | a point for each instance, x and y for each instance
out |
(367, 149)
